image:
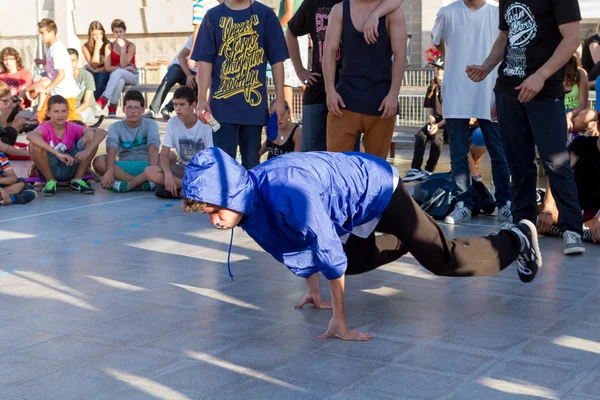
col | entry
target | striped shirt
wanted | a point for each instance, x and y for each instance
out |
(200, 9)
(4, 163)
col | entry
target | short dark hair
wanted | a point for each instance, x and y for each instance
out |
(72, 51)
(185, 93)
(48, 24)
(57, 99)
(118, 23)
(134, 95)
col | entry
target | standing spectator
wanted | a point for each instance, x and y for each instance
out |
(465, 31)
(288, 8)
(369, 80)
(121, 65)
(178, 72)
(135, 142)
(85, 83)
(198, 12)
(96, 51)
(577, 93)
(535, 42)
(312, 19)
(432, 132)
(590, 57)
(58, 71)
(289, 138)
(236, 40)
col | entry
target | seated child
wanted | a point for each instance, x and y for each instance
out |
(432, 132)
(131, 146)
(585, 160)
(187, 135)
(63, 150)
(289, 137)
(13, 190)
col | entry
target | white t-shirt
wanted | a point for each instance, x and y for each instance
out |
(468, 37)
(57, 57)
(187, 142)
(187, 45)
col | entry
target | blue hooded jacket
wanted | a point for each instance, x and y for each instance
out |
(297, 205)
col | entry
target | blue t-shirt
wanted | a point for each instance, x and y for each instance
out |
(239, 43)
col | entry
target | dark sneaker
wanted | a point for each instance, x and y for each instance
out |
(573, 244)
(49, 189)
(81, 186)
(148, 186)
(413, 174)
(587, 235)
(529, 260)
(163, 193)
(26, 196)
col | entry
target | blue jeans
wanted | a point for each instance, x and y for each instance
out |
(314, 127)
(100, 79)
(229, 136)
(458, 135)
(541, 123)
(174, 75)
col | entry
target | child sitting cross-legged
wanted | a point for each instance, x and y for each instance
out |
(13, 190)
(63, 150)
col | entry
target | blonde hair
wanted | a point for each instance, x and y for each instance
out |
(190, 206)
(4, 89)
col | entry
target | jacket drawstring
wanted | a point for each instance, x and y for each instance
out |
(229, 255)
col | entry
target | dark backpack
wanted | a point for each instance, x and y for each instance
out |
(434, 195)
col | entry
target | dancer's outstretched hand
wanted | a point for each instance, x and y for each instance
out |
(314, 299)
(339, 329)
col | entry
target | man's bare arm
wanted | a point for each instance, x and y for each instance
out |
(333, 37)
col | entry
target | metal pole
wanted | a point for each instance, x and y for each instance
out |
(39, 18)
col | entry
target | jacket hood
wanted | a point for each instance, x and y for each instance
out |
(213, 177)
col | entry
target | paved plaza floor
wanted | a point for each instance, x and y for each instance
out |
(126, 297)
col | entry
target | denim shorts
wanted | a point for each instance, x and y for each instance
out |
(61, 171)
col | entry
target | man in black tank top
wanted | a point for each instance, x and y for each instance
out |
(366, 97)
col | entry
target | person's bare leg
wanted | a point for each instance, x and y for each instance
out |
(288, 95)
(15, 188)
(135, 181)
(39, 157)
(582, 119)
(100, 168)
(155, 175)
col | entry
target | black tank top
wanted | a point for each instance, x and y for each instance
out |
(275, 150)
(366, 73)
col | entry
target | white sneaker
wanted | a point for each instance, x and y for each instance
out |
(149, 114)
(572, 242)
(459, 215)
(504, 213)
(426, 174)
(413, 174)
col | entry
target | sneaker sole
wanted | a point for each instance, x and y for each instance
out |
(534, 241)
(412, 178)
(452, 222)
(48, 194)
(574, 251)
(79, 191)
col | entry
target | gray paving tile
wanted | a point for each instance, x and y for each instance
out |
(68, 384)
(410, 328)
(13, 338)
(379, 349)
(565, 351)
(589, 386)
(18, 369)
(393, 382)
(500, 340)
(445, 360)
(67, 350)
(503, 320)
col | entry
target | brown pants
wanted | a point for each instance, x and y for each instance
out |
(410, 229)
(343, 131)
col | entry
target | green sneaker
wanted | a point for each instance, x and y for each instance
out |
(148, 186)
(81, 186)
(118, 186)
(50, 189)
